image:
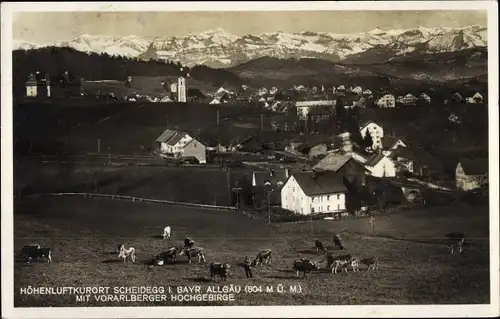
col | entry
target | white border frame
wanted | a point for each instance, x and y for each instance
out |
(8, 311)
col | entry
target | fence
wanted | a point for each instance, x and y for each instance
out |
(139, 199)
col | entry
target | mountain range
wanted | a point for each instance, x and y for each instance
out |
(220, 49)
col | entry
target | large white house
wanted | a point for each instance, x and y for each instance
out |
(314, 192)
(180, 144)
(387, 100)
(380, 165)
(409, 99)
(376, 132)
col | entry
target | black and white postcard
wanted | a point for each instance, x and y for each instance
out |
(250, 159)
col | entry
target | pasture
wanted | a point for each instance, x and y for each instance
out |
(84, 234)
(127, 128)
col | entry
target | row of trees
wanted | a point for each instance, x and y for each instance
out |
(94, 66)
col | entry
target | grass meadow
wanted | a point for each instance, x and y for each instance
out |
(415, 267)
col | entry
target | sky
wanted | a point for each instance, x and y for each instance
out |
(42, 27)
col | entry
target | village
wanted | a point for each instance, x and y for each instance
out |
(334, 165)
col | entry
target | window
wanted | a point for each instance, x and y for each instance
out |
(338, 207)
(328, 208)
(312, 209)
(338, 197)
(328, 197)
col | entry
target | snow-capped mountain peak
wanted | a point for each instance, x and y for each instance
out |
(219, 48)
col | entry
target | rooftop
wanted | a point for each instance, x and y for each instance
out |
(320, 183)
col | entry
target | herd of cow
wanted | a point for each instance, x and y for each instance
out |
(302, 265)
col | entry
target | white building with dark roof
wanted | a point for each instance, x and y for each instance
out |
(314, 192)
(380, 165)
(180, 144)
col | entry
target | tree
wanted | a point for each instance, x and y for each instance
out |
(353, 129)
(367, 140)
(340, 111)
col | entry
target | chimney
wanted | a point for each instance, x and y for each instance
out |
(314, 174)
(287, 172)
(346, 143)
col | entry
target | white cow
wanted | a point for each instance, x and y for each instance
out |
(166, 232)
(127, 253)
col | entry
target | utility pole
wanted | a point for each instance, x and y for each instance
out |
(269, 191)
(98, 146)
(218, 119)
(109, 155)
(262, 122)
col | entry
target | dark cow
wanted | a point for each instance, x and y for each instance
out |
(319, 246)
(263, 257)
(193, 252)
(370, 262)
(338, 242)
(305, 266)
(36, 252)
(168, 255)
(219, 269)
(188, 243)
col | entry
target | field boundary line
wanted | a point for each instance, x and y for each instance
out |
(140, 199)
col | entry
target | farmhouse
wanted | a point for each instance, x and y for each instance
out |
(314, 192)
(33, 84)
(457, 98)
(368, 93)
(311, 150)
(270, 178)
(471, 174)
(357, 90)
(387, 100)
(380, 165)
(304, 107)
(180, 144)
(376, 132)
(409, 99)
(344, 166)
(475, 99)
(425, 98)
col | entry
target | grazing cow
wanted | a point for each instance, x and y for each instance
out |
(127, 253)
(166, 232)
(305, 266)
(193, 252)
(458, 242)
(338, 242)
(341, 262)
(188, 243)
(168, 255)
(354, 264)
(370, 262)
(319, 246)
(457, 246)
(263, 257)
(34, 251)
(218, 269)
